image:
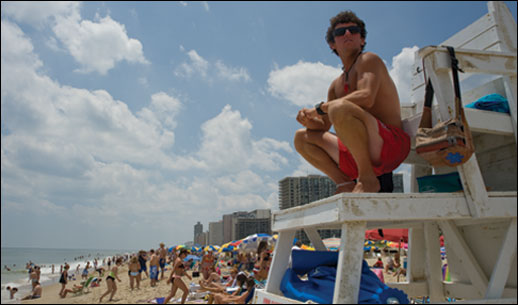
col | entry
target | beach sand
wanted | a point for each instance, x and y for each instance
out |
(125, 295)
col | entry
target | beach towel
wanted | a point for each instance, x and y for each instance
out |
(492, 102)
(319, 287)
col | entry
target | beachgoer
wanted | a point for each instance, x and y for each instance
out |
(262, 266)
(207, 264)
(176, 278)
(7, 268)
(134, 274)
(12, 291)
(34, 276)
(52, 268)
(378, 264)
(153, 268)
(240, 280)
(237, 299)
(142, 260)
(110, 280)
(37, 292)
(162, 252)
(297, 246)
(64, 279)
(85, 271)
(363, 105)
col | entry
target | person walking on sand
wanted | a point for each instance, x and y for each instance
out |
(143, 261)
(176, 278)
(134, 274)
(363, 105)
(64, 280)
(162, 255)
(153, 268)
(110, 280)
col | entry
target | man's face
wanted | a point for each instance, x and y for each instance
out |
(347, 37)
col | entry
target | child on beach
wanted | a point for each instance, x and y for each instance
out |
(12, 291)
(134, 273)
(176, 278)
(110, 280)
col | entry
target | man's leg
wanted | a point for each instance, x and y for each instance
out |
(320, 149)
(358, 130)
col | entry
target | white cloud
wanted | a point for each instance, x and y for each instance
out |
(303, 84)
(39, 13)
(72, 153)
(401, 72)
(198, 66)
(227, 145)
(232, 74)
(98, 46)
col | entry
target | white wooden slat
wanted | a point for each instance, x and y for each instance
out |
(501, 270)
(350, 258)
(315, 239)
(470, 265)
(416, 256)
(280, 261)
(433, 262)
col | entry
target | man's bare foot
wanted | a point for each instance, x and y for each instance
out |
(345, 187)
(368, 185)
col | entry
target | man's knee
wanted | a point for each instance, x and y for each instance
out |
(340, 113)
(300, 139)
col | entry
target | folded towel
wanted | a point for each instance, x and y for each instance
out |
(492, 102)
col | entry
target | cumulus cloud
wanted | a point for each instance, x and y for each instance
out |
(402, 71)
(200, 67)
(82, 154)
(302, 84)
(95, 45)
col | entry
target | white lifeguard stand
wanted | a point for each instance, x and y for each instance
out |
(479, 224)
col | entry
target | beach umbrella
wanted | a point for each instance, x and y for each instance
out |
(250, 243)
(236, 243)
(332, 243)
(368, 243)
(179, 247)
(193, 257)
(211, 248)
(387, 234)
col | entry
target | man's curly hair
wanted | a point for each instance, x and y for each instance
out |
(345, 17)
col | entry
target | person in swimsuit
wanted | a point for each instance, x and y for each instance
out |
(110, 280)
(153, 268)
(363, 106)
(162, 252)
(241, 279)
(134, 273)
(36, 292)
(176, 278)
(207, 264)
(63, 280)
(242, 298)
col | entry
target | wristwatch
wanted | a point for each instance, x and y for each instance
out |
(319, 110)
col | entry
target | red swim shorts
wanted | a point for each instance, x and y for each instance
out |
(396, 146)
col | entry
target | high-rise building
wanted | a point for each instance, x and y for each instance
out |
(296, 191)
(242, 224)
(397, 180)
(198, 229)
(216, 233)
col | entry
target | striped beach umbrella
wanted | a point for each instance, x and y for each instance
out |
(332, 243)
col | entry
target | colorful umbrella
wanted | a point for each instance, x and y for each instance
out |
(332, 243)
(388, 234)
(250, 243)
(211, 248)
(179, 247)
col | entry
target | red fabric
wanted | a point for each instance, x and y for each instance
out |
(396, 146)
(394, 235)
(379, 273)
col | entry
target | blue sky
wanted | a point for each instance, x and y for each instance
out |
(125, 123)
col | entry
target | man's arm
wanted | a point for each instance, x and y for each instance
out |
(368, 83)
(317, 122)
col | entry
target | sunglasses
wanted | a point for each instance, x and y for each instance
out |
(341, 31)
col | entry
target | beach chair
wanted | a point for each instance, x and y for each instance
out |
(478, 224)
(84, 286)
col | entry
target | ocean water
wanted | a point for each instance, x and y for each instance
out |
(16, 259)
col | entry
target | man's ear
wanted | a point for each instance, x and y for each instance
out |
(332, 46)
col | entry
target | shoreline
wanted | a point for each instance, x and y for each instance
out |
(125, 295)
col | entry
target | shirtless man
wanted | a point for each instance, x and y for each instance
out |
(153, 268)
(176, 278)
(363, 105)
(162, 255)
